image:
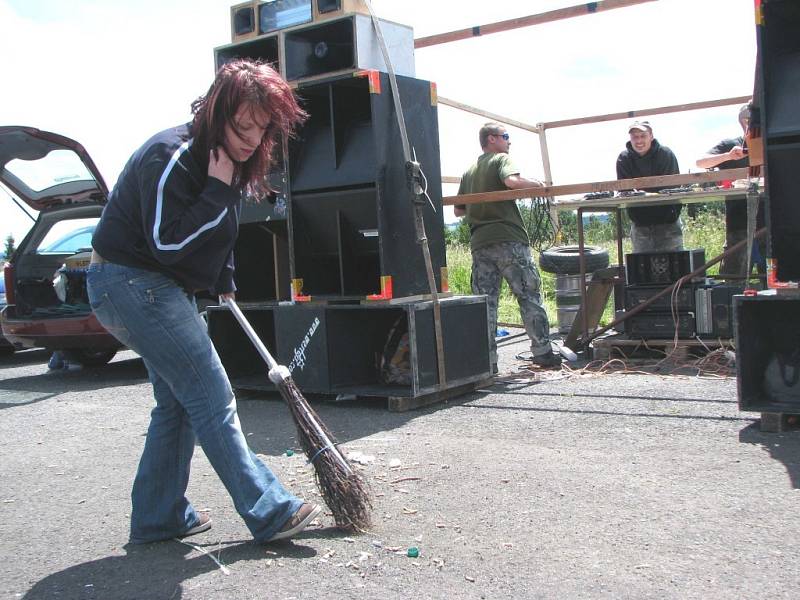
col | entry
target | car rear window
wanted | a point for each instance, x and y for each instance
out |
(58, 166)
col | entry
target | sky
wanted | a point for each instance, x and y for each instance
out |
(111, 74)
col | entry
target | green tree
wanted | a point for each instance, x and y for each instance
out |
(457, 235)
(9, 250)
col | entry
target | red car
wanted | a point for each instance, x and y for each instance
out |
(56, 177)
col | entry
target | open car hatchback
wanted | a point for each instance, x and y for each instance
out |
(56, 177)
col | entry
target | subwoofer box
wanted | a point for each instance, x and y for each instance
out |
(337, 349)
(768, 352)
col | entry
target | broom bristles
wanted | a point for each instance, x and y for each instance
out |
(341, 486)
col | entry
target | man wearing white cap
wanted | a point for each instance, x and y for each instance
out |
(653, 228)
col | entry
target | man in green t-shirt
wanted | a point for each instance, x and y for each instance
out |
(500, 245)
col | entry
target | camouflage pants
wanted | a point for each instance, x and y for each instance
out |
(512, 261)
(657, 238)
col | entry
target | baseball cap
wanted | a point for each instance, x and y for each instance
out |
(641, 126)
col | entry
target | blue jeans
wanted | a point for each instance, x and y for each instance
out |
(152, 315)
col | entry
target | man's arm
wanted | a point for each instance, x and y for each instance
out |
(516, 182)
(513, 182)
(709, 161)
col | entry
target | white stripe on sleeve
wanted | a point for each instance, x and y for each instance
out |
(160, 206)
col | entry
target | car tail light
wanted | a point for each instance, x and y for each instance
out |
(8, 275)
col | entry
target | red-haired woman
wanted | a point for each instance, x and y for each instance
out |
(169, 230)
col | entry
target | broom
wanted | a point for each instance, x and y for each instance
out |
(341, 486)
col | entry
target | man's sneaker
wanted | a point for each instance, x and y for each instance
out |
(297, 522)
(547, 360)
(203, 524)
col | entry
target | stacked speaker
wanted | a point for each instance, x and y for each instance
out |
(302, 42)
(647, 274)
(331, 273)
(779, 66)
(768, 324)
(342, 219)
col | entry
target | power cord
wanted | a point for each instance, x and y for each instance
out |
(540, 227)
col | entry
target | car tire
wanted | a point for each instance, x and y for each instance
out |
(7, 350)
(565, 260)
(90, 358)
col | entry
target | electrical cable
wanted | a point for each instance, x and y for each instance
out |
(543, 232)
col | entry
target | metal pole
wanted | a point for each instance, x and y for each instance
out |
(548, 176)
(582, 263)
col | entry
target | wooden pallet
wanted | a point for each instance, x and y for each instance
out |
(621, 347)
(257, 386)
(406, 403)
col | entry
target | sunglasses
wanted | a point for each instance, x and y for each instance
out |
(505, 135)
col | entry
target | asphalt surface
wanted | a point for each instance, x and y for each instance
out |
(613, 486)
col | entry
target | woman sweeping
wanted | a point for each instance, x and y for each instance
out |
(168, 230)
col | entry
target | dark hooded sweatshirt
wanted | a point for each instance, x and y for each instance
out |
(659, 160)
(167, 215)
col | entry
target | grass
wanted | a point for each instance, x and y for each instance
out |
(706, 230)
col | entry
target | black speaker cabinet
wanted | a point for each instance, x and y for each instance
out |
(768, 352)
(351, 214)
(346, 44)
(648, 268)
(779, 85)
(343, 349)
(639, 294)
(660, 325)
(261, 262)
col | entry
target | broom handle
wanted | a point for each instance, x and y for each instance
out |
(272, 363)
(248, 329)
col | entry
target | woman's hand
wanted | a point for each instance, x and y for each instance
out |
(223, 297)
(220, 165)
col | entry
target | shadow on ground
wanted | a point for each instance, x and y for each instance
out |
(153, 571)
(24, 357)
(27, 389)
(270, 430)
(783, 447)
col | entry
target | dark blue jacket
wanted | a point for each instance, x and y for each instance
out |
(167, 215)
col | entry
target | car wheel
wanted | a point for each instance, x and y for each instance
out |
(565, 260)
(90, 358)
(7, 350)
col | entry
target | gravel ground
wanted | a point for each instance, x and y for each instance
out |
(616, 486)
